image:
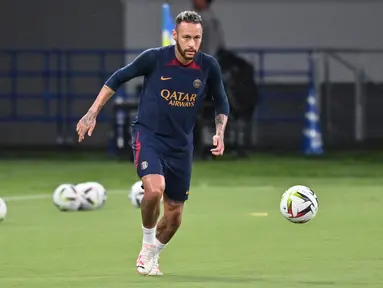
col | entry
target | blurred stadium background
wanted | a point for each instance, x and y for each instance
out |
(54, 57)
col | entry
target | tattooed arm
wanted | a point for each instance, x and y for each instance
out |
(221, 107)
(88, 122)
(141, 66)
(220, 124)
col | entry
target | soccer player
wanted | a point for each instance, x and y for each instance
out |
(176, 77)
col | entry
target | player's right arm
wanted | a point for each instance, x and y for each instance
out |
(141, 66)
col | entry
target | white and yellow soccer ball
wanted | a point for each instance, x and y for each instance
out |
(299, 204)
(136, 194)
(92, 194)
(3, 210)
(66, 198)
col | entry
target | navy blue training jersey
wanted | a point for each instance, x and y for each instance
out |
(172, 93)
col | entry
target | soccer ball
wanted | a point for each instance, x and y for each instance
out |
(136, 194)
(66, 198)
(3, 210)
(92, 195)
(299, 204)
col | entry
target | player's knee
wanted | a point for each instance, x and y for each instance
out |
(154, 186)
(154, 193)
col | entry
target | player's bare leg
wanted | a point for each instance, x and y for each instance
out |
(154, 186)
(166, 228)
(170, 221)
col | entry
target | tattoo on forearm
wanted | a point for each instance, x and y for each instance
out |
(220, 123)
(218, 120)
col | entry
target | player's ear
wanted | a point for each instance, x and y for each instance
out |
(174, 34)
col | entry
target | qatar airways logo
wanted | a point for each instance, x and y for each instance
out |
(179, 99)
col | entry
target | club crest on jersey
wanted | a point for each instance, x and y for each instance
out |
(197, 83)
(144, 165)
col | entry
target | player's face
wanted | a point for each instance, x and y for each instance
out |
(188, 38)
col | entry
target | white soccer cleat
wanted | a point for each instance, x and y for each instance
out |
(146, 260)
(156, 268)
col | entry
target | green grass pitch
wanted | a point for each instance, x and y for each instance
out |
(219, 244)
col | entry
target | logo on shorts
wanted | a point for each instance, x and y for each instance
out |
(197, 83)
(144, 165)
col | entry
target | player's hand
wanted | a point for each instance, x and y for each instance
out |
(219, 145)
(86, 124)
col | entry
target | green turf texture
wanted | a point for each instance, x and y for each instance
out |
(218, 245)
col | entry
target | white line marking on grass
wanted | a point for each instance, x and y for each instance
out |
(120, 192)
(49, 196)
(59, 278)
(203, 185)
(259, 214)
(27, 197)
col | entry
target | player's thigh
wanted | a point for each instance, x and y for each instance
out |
(150, 170)
(146, 156)
(178, 177)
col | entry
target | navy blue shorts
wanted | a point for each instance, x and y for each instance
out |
(151, 156)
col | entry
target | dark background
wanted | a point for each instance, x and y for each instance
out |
(49, 28)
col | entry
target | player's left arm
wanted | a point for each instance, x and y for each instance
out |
(222, 109)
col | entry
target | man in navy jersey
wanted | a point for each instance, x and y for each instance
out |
(176, 78)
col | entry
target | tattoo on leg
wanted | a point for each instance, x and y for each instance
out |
(170, 222)
(166, 229)
(161, 225)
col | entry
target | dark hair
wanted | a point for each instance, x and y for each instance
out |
(189, 17)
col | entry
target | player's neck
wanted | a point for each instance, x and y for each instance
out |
(181, 59)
